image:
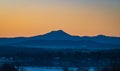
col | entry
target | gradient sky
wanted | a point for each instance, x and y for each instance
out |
(77, 17)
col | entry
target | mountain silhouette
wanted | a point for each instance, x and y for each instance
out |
(56, 35)
(104, 39)
(61, 39)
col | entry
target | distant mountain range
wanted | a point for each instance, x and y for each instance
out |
(62, 40)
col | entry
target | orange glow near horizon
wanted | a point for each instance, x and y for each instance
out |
(81, 20)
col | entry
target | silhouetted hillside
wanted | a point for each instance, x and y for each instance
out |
(60, 39)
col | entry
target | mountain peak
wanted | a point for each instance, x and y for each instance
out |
(55, 35)
(100, 35)
(60, 33)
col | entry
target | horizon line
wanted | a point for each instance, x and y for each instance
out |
(63, 31)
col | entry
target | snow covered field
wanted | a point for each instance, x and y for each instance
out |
(42, 69)
(52, 69)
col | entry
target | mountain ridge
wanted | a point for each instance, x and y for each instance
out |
(99, 35)
(60, 38)
(56, 35)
